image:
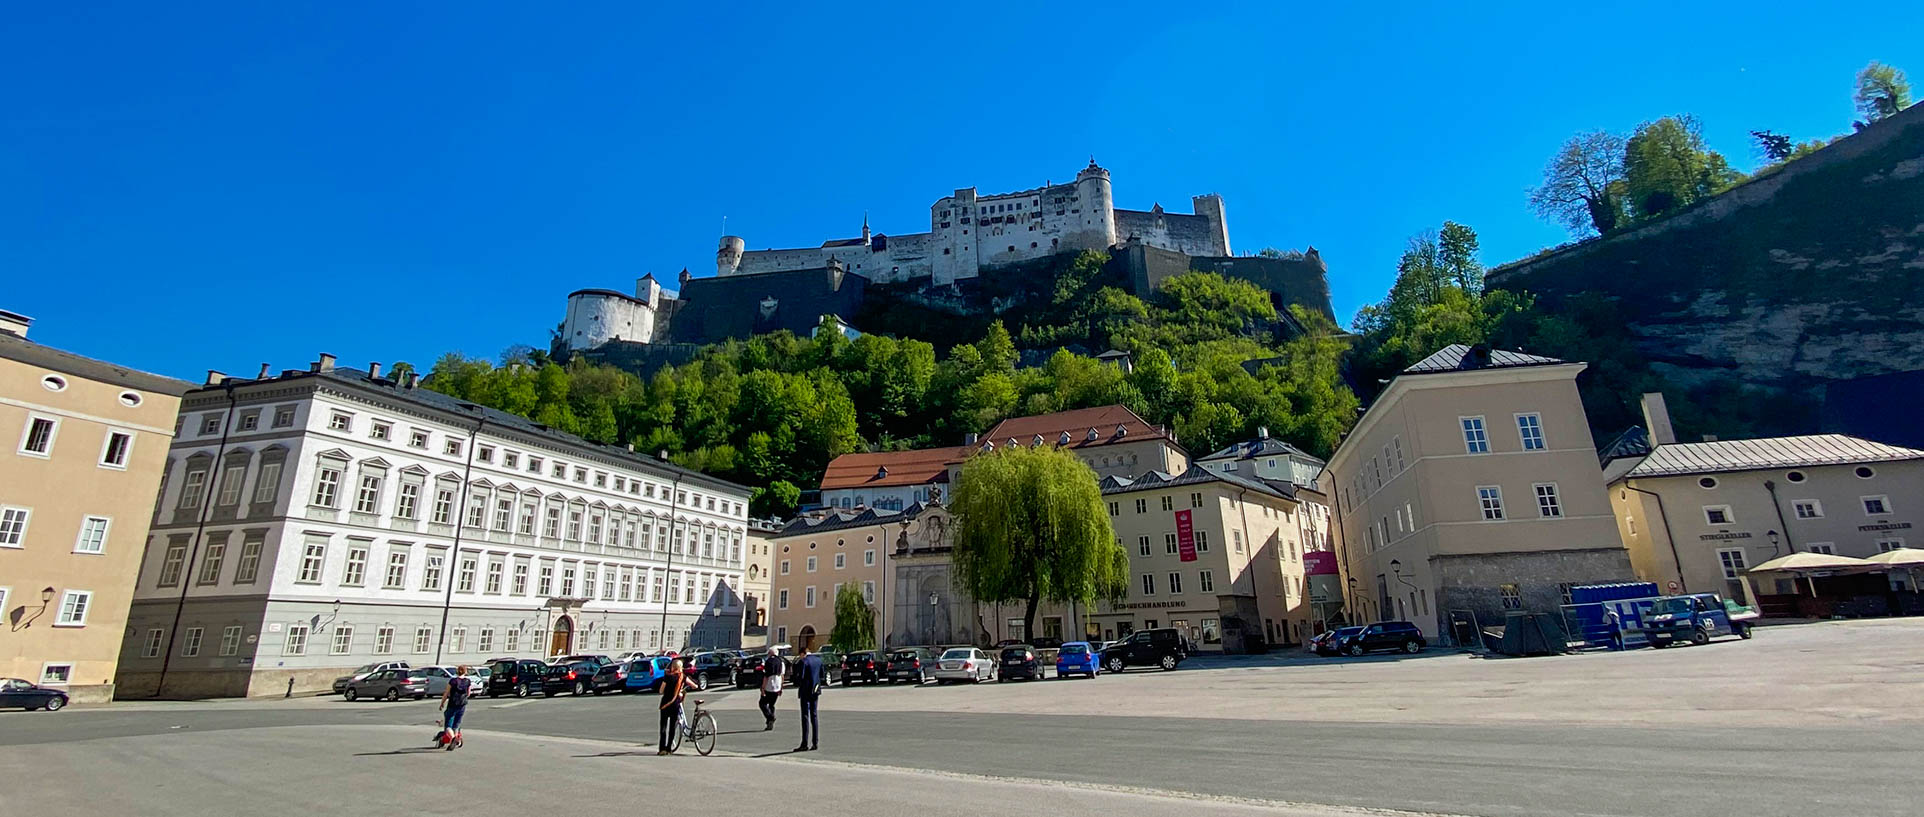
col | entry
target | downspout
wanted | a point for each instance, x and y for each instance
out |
(200, 526)
(1771, 486)
(1682, 583)
(460, 523)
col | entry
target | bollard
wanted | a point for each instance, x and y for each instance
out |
(290, 687)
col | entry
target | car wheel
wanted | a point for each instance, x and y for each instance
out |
(1700, 636)
(1743, 631)
(1412, 647)
(521, 690)
(351, 694)
(393, 694)
(701, 684)
(55, 703)
(1354, 650)
(1115, 664)
(1168, 663)
(581, 688)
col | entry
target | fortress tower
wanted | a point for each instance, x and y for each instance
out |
(728, 257)
(1210, 206)
(1096, 228)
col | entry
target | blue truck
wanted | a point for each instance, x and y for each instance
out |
(1695, 618)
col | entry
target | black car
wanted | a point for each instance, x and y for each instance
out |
(1326, 642)
(1162, 647)
(597, 660)
(707, 668)
(574, 676)
(911, 664)
(1020, 661)
(866, 666)
(610, 678)
(1384, 636)
(519, 677)
(16, 692)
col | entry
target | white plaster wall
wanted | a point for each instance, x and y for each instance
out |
(594, 319)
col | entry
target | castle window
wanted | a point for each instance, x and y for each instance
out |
(945, 250)
(1032, 245)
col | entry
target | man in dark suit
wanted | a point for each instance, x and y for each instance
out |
(810, 677)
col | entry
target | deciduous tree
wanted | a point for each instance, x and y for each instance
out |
(1583, 186)
(1881, 91)
(854, 621)
(1667, 167)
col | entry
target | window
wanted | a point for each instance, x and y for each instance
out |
(452, 449)
(512, 640)
(73, 608)
(417, 438)
(484, 453)
(384, 641)
(443, 506)
(93, 535)
(13, 526)
(456, 637)
(343, 640)
(151, 648)
(296, 643)
(423, 638)
(1168, 503)
(1718, 515)
(311, 558)
(397, 569)
(1115, 509)
(249, 566)
(354, 574)
(114, 453)
(38, 441)
(1888, 545)
(1236, 538)
(868, 558)
(431, 572)
(231, 478)
(1707, 483)
(250, 420)
(1148, 584)
(781, 600)
(1490, 497)
(1175, 583)
(267, 486)
(1512, 597)
(230, 639)
(381, 431)
(486, 642)
(808, 596)
(527, 519)
(1142, 506)
(811, 564)
(841, 561)
(338, 421)
(1548, 505)
(210, 423)
(1195, 500)
(1821, 547)
(1202, 541)
(191, 488)
(568, 579)
(1529, 429)
(1876, 505)
(1142, 545)
(477, 509)
(1732, 560)
(1808, 509)
(283, 416)
(368, 498)
(1864, 472)
(574, 525)
(464, 581)
(1475, 439)
(551, 528)
(1169, 543)
(1206, 581)
(503, 514)
(327, 485)
(868, 592)
(544, 584)
(406, 502)
(581, 474)
(170, 565)
(1396, 445)
(784, 567)
(210, 562)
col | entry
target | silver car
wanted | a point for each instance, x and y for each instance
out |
(363, 671)
(388, 685)
(964, 664)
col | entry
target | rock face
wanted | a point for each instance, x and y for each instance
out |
(1793, 279)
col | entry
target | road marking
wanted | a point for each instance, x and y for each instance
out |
(511, 705)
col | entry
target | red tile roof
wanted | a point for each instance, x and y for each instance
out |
(1078, 423)
(916, 467)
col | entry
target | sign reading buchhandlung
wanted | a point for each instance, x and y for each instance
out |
(1185, 536)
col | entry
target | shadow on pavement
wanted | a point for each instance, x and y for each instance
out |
(414, 751)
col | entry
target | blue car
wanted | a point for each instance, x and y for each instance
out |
(645, 674)
(1078, 658)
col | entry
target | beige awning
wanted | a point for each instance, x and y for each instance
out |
(1812, 562)
(1899, 557)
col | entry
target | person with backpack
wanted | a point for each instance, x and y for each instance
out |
(773, 668)
(454, 704)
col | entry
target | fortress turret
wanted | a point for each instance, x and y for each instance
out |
(728, 257)
(1210, 206)
(1096, 229)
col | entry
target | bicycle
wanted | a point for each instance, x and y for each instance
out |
(698, 727)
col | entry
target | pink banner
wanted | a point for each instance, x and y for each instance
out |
(1185, 536)
(1319, 563)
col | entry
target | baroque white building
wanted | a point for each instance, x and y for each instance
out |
(329, 517)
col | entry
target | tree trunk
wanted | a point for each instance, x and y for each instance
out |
(1028, 615)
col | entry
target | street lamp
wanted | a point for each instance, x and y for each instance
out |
(1774, 537)
(934, 602)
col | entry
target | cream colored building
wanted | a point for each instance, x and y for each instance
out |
(1472, 485)
(758, 581)
(1113, 440)
(818, 553)
(1696, 516)
(76, 492)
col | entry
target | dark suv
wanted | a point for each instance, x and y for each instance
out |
(1384, 636)
(911, 664)
(706, 669)
(1162, 647)
(1019, 661)
(569, 676)
(863, 666)
(519, 677)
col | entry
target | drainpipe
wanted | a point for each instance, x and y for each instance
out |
(1682, 583)
(200, 526)
(1771, 486)
(460, 523)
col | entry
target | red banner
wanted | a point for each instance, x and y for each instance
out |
(1319, 563)
(1185, 536)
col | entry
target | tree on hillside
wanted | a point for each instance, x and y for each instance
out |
(1775, 146)
(1030, 526)
(1881, 91)
(1583, 185)
(854, 621)
(1456, 249)
(1667, 167)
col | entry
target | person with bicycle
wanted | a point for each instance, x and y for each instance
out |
(673, 689)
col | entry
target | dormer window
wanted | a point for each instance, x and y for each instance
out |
(1013, 443)
(1064, 439)
(1037, 442)
(1093, 434)
(1121, 431)
(881, 472)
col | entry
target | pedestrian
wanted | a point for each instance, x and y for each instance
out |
(773, 668)
(810, 677)
(1614, 622)
(454, 704)
(672, 689)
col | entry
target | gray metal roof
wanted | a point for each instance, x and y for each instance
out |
(18, 348)
(1261, 447)
(1196, 475)
(844, 519)
(1678, 459)
(1457, 357)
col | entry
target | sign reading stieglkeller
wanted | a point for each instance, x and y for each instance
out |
(1886, 526)
(1185, 536)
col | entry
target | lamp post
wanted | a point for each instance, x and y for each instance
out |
(1352, 600)
(1774, 538)
(935, 602)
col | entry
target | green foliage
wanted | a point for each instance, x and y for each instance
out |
(1031, 525)
(1775, 146)
(1667, 167)
(1583, 186)
(854, 621)
(778, 498)
(1881, 91)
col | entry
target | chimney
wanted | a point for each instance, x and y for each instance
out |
(215, 378)
(970, 438)
(1262, 432)
(1656, 420)
(325, 364)
(14, 323)
(374, 370)
(414, 379)
(263, 374)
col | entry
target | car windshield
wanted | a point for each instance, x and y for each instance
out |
(1674, 606)
(904, 655)
(959, 653)
(366, 668)
(1074, 649)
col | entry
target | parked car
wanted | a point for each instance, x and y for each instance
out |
(437, 678)
(1695, 618)
(1078, 658)
(610, 678)
(865, 666)
(17, 692)
(1324, 643)
(519, 677)
(708, 668)
(1383, 636)
(912, 664)
(1020, 661)
(363, 671)
(576, 677)
(597, 660)
(478, 674)
(388, 684)
(964, 664)
(831, 664)
(645, 674)
(1162, 647)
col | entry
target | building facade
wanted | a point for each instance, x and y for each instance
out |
(890, 480)
(1112, 440)
(1268, 458)
(89, 440)
(758, 566)
(329, 517)
(597, 316)
(1469, 488)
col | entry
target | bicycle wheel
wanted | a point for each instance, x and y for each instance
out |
(674, 737)
(703, 732)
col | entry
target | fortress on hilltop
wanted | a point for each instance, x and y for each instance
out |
(970, 236)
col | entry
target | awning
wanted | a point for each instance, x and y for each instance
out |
(1899, 557)
(1815, 563)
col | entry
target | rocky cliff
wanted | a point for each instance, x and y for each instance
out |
(1798, 277)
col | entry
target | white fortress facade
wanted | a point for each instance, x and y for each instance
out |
(969, 233)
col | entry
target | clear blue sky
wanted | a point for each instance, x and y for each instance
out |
(185, 187)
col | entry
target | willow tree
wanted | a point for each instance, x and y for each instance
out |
(1031, 525)
(854, 621)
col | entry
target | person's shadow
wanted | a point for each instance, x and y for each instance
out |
(414, 751)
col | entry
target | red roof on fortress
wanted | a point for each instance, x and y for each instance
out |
(1105, 421)
(892, 468)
